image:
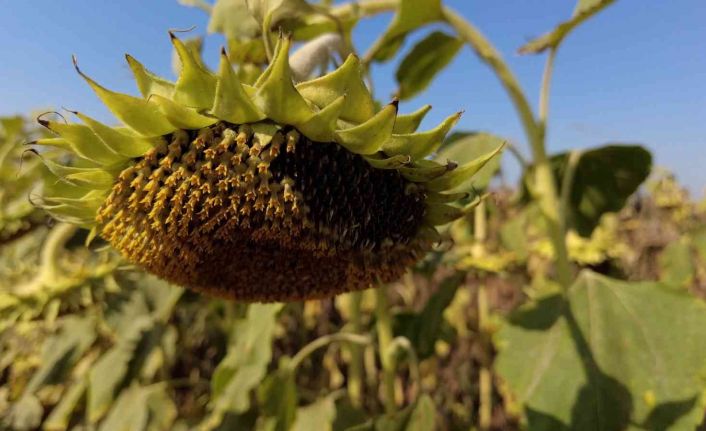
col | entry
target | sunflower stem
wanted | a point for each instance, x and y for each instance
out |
(545, 188)
(567, 183)
(355, 368)
(384, 330)
(485, 382)
(545, 183)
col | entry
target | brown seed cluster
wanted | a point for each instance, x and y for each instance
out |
(258, 217)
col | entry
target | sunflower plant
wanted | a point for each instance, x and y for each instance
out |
(267, 244)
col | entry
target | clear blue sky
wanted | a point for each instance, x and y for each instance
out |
(635, 73)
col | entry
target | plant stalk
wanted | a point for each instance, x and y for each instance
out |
(355, 368)
(384, 330)
(567, 183)
(485, 409)
(544, 186)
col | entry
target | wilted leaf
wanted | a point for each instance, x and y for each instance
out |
(607, 358)
(584, 10)
(464, 147)
(424, 61)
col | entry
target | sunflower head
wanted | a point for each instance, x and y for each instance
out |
(270, 192)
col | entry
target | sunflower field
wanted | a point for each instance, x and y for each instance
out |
(271, 245)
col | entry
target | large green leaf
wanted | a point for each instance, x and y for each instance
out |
(607, 358)
(428, 57)
(463, 147)
(411, 14)
(584, 10)
(604, 179)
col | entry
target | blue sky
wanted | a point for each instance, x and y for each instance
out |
(636, 73)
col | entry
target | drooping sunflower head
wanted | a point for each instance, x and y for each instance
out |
(266, 192)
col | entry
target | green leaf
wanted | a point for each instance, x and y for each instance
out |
(277, 397)
(411, 15)
(245, 364)
(424, 61)
(464, 147)
(138, 407)
(129, 411)
(318, 416)
(585, 9)
(605, 178)
(61, 352)
(606, 357)
(107, 375)
(676, 267)
(425, 328)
